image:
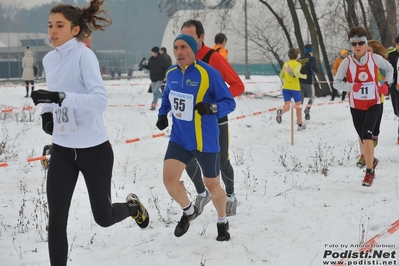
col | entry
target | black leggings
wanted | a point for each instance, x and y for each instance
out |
(376, 130)
(366, 120)
(194, 171)
(32, 82)
(95, 163)
(394, 98)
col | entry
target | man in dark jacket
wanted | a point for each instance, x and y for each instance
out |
(164, 53)
(393, 56)
(308, 62)
(157, 66)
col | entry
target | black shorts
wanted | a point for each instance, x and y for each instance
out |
(366, 120)
(209, 161)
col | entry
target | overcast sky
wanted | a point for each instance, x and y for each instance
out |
(26, 3)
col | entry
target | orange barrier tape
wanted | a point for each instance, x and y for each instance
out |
(29, 160)
(39, 158)
(273, 109)
(13, 109)
(372, 242)
(259, 95)
(17, 109)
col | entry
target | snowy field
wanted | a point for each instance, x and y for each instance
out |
(297, 203)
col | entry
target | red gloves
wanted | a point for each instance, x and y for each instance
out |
(383, 89)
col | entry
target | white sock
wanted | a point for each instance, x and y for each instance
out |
(204, 194)
(189, 209)
(222, 220)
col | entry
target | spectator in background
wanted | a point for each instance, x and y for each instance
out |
(165, 55)
(28, 74)
(129, 73)
(112, 74)
(342, 55)
(157, 66)
(393, 60)
(308, 62)
(220, 44)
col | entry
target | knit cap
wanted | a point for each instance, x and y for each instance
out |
(189, 40)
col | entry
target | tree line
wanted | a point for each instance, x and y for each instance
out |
(326, 29)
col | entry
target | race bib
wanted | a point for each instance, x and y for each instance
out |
(182, 105)
(64, 121)
(366, 91)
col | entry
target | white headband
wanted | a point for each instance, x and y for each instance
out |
(363, 38)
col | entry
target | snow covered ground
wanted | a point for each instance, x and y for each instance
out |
(297, 203)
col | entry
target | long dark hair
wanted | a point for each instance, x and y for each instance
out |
(89, 18)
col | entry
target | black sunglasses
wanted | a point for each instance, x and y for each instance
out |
(357, 43)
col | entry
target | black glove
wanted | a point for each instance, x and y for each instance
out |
(162, 122)
(205, 109)
(44, 96)
(47, 123)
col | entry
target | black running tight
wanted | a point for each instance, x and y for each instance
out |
(365, 120)
(95, 164)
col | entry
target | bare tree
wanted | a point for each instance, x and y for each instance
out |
(339, 17)
(317, 38)
(392, 23)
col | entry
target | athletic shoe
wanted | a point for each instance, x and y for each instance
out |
(375, 141)
(301, 127)
(307, 113)
(361, 163)
(46, 151)
(368, 179)
(200, 201)
(375, 162)
(231, 207)
(184, 223)
(142, 218)
(279, 117)
(223, 231)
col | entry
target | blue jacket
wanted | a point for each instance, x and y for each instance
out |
(184, 89)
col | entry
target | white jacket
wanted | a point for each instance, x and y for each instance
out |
(28, 61)
(74, 69)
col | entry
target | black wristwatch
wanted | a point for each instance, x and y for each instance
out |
(214, 108)
(62, 96)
